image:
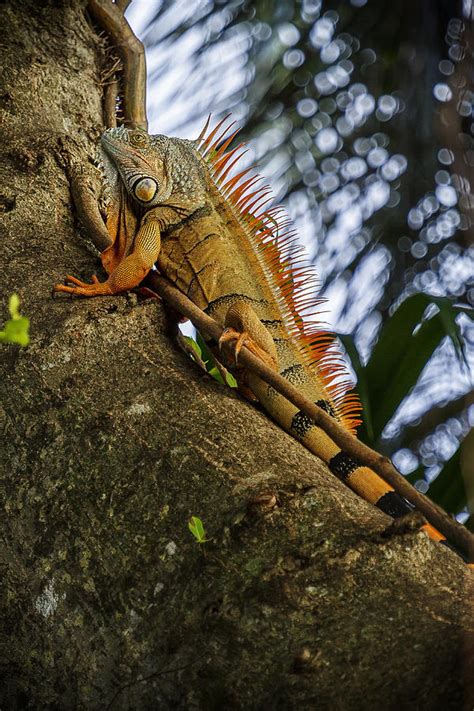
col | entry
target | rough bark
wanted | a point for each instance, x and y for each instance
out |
(112, 439)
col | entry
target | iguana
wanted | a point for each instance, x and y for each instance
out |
(177, 204)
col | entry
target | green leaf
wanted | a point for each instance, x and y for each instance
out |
(447, 316)
(405, 345)
(231, 381)
(448, 488)
(14, 306)
(196, 527)
(204, 355)
(190, 341)
(362, 386)
(216, 374)
(207, 356)
(211, 366)
(402, 379)
(16, 328)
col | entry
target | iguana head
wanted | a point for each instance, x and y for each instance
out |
(155, 170)
(128, 154)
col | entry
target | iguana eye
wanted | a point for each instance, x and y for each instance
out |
(145, 189)
(138, 139)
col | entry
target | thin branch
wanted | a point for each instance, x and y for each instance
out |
(110, 103)
(450, 528)
(111, 85)
(110, 17)
(122, 4)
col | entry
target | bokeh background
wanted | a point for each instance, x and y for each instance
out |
(359, 115)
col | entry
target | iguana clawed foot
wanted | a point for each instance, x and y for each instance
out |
(243, 339)
(81, 288)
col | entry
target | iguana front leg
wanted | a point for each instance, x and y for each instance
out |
(129, 273)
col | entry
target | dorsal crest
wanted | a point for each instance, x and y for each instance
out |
(292, 279)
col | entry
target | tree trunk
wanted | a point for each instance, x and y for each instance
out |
(112, 439)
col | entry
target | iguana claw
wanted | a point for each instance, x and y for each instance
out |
(243, 339)
(82, 288)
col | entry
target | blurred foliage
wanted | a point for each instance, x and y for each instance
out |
(16, 328)
(405, 344)
(360, 114)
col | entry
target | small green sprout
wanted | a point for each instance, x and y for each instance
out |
(206, 359)
(196, 527)
(191, 342)
(16, 328)
(215, 373)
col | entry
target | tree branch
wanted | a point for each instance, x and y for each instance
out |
(122, 4)
(110, 17)
(110, 103)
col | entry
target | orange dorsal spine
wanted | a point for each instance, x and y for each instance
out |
(272, 233)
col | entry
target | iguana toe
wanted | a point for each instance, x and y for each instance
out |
(243, 339)
(81, 288)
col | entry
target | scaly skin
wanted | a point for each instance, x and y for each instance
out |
(169, 204)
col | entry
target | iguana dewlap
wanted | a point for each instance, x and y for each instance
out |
(171, 202)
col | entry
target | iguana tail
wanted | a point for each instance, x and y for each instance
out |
(364, 481)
